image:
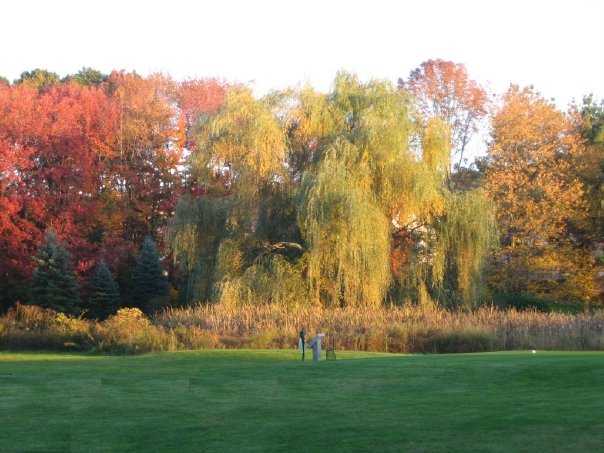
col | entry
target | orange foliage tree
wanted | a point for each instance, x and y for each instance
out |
(540, 200)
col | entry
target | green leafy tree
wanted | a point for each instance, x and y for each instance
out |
(104, 295)
(38, 78)
(88, 77)
(54, 284)
(150, 285)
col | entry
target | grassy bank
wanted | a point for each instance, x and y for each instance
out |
(246, 401)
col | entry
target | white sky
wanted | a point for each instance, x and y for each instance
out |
(558, 46)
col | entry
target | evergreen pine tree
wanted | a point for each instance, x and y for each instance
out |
(54, 284)
(104, 295)
(150, 286)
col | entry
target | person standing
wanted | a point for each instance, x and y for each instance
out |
(302, 342)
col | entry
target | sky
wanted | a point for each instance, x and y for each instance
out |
(557, 46)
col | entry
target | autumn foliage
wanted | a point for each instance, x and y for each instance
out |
(443, 89)
(361, 196)
(541, 200)
(96, 163)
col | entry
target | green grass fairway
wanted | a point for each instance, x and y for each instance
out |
(265, 401)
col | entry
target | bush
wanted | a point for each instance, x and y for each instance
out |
(523, 301)
(272, 338)
(29, 317)
(129, 331)
(466, 340)
(195, 338)
(33, 327)
(234, 342)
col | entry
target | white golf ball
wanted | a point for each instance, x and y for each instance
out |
(533, 351)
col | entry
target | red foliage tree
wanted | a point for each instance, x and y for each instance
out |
(444, 89)
(98, 164)
(196, 98)
(54, 143)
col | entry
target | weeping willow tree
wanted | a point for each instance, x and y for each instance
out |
(271, 279)
(464, 236)
(337, 198)
(241, 148)
(451, 236)
(347, 234)
(195, 233)
(367, 185)
(225, 239)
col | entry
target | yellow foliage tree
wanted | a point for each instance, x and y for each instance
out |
(314, 191)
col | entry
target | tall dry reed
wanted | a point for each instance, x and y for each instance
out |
(391, 329)
(396, 329)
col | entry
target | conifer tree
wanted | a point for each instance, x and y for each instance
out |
(54, 284)
(150, 286)
(104, 295)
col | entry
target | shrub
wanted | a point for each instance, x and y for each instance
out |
(196, 338)
(30, 317)
(32, 327)
(129, 331)
(465, 340)
(234, 342)
(523, 301)
(272, 338)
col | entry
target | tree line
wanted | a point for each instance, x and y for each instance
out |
(360, 196)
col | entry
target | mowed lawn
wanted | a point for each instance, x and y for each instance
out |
(267, 401)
